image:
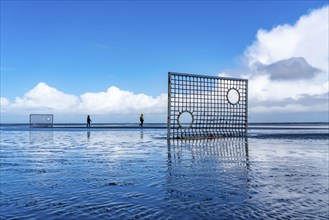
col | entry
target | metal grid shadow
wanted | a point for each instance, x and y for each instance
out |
(206, 106)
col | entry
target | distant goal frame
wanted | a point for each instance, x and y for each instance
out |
(41, 120)
(218, 106)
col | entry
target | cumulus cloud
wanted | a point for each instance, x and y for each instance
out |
(116, 101)
(307, 38)
(4, 102)
(46, 99)
(287, 66)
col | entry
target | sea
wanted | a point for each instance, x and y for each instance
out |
(122, 171)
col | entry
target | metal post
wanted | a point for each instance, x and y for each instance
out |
(169, 106)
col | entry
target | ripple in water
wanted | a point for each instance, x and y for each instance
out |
(137, 175)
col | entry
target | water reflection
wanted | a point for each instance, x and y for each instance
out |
(142, 134)
(41, 136)
(88, 135)
(214, 171)
(233, 150)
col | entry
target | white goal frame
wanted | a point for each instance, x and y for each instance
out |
(41, 120)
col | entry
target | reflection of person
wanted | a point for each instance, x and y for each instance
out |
(88, 121)
(141, 118)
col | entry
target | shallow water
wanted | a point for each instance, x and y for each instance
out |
(137, 174)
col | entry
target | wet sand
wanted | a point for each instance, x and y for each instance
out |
(137, 174)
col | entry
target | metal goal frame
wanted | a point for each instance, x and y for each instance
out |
(216, 106)
(41, 120)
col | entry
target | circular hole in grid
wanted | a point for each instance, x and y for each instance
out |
(185, 119)
(48, 118)
(233, 96)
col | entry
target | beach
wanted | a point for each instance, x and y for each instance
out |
(278, 171)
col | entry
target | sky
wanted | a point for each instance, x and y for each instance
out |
(111, 59)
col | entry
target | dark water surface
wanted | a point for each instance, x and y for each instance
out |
(137, 174)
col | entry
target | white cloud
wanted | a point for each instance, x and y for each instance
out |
(4, 102)
(288, 63)
(263, 88)
(46, 99)
(224, 74)
(308, 38)
(116, 101)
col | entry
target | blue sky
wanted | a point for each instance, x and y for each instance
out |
(79, 47)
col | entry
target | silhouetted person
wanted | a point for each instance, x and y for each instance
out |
(88, 121)
(141, 118)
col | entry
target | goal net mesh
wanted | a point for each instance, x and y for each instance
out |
(206, 106)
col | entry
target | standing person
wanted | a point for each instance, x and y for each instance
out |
(88, 121)
(141, 118)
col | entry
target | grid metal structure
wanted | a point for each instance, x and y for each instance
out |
(206, 106)
(41, 120)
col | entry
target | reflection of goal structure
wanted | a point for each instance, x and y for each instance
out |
(231, 150)
(41, 120)
(206, 106)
